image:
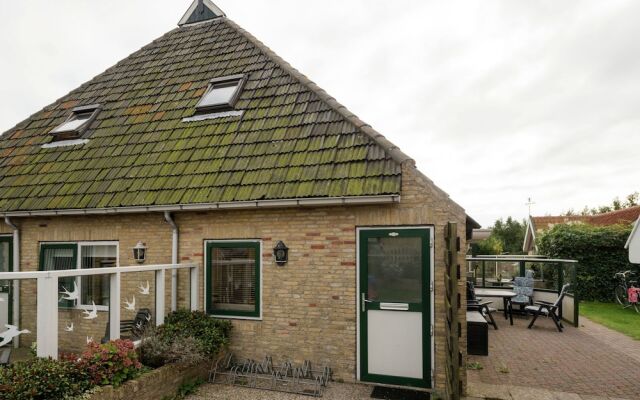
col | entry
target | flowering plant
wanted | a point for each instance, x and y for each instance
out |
(111, 363)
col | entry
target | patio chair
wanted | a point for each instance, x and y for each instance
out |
(5, 355)
(476, 304)
(132, 328)
(548, 309)
(523, 288)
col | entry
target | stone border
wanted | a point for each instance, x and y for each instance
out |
(153, 385)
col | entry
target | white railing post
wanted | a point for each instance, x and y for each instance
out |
(193, 283)
(114, 306)
(47, 318)
(160, 297)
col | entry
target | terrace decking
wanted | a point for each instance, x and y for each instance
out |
(589, 361)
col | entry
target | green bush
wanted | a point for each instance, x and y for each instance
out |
(42, 378)
(599, 250)
(111, 363)
(157, 350)
(211, 334)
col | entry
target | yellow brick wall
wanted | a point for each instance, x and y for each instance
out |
(308, 306)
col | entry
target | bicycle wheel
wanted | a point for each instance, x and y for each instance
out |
(621, 296)
(636, 306)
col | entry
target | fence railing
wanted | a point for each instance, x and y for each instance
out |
(48, 297)
(549, 275)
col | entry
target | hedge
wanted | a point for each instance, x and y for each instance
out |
(599, 250)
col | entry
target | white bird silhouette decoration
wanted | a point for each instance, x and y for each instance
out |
(89, 339)
(139, 325)
(69, 328)
(67, 295)
(148, 318)
(144, 290)
(93, 314)
(11, 332)
(131, 306)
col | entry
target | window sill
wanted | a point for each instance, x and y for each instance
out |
(215, 115)
(63, 143)
(238, 317)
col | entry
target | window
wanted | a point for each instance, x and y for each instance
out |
(64, 256)
(233, 278)
(77, 123)
(221, 95)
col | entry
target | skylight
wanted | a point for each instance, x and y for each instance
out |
(76, 124)
(221, 95)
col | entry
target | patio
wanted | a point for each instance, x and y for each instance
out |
(588, 361)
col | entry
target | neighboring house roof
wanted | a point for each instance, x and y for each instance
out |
(537, 225)
(292, 141)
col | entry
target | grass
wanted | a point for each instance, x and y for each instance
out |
(613, 316)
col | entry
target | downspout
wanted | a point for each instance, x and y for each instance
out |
(16, 282)
(174, 260)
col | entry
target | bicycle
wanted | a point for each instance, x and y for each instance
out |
(622, 290)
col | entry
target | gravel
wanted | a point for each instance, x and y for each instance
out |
(335, 391)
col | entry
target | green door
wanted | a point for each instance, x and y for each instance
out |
(395, 306)
(6, 265)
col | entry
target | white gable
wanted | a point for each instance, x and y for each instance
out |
(633, 243)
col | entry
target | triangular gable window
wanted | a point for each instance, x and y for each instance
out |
(77, 123)
(221, 95)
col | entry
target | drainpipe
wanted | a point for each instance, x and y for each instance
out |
(174, 260)
(16, 282)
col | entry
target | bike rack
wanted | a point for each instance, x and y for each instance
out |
(287, 378)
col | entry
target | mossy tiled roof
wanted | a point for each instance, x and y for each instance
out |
(292, 141)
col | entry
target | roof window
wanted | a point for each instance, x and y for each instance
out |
(221, 95)
(77, 123)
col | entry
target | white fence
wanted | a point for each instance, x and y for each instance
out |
(48, 297)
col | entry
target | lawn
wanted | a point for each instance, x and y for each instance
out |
(613, 316)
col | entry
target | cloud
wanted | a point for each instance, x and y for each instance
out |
(496, 101)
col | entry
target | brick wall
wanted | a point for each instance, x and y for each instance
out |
(308, 306)
(153, 385)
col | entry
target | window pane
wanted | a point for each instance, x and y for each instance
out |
(96, 288)
(4, 265)
(219, 95)
(233, 279)
(72, 125)
(395, 269)
(56, 259)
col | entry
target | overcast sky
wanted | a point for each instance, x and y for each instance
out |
(496, 101)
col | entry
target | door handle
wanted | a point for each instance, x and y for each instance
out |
(364, 302)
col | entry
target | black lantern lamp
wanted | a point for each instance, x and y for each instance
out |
(140, 252)
(281, 253)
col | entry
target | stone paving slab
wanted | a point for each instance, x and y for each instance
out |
(590, 361)
(483, 391)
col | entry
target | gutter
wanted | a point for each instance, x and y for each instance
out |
(16, 283)
(174, 259)
(307, 202)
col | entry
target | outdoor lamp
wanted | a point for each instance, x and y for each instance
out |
(281, 253)
(140, 252)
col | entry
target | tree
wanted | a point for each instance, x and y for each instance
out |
(510, 233)
(506, 237)
(616, 204)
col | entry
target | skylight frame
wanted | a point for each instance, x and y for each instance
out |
(88, 114)
(218, 83)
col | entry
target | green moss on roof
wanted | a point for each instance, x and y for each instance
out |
(289, 143)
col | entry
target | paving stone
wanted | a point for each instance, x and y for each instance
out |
(529, 393)
(585, 361)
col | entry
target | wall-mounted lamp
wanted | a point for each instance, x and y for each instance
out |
(140, 252)
(281, 253)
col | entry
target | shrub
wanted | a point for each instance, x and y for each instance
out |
(42, 378)
(157, 350)
(599, 250)
(210, 333)
(110, 363)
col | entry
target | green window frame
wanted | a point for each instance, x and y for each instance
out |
(67, 283)
(210, 247)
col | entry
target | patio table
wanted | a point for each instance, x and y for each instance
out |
(504, 293)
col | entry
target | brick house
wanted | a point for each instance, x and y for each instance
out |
(206, 147)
